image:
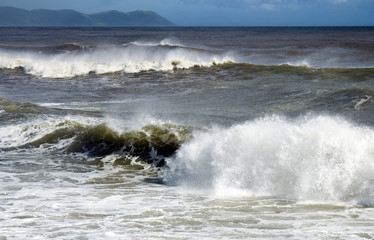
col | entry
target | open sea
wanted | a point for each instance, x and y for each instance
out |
(187, 133)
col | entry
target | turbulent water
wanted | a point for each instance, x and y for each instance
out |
(187, 133)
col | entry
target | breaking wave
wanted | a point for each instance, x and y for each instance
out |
(317, 158)
(320, 158)
(71, 60)
(150, 143)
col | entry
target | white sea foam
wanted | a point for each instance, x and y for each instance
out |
(300, 63)
(363, 101)
(165, 42)
(16, 135)
(320, 158)
(130, 58)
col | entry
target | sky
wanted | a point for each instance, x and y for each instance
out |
(228, 12)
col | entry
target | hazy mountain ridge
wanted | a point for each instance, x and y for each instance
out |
(10, 16)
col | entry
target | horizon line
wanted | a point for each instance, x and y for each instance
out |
(204, 26)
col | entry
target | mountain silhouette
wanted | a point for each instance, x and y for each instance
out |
(16, 17)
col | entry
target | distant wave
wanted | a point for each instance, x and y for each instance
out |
(71, 60)
(165, 42)
(69, 47)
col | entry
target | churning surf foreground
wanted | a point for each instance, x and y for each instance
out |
(187, 133)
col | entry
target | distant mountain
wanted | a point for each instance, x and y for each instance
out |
(10, 16)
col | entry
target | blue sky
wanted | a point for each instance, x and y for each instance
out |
(228, 12)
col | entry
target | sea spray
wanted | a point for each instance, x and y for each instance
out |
(319, 158)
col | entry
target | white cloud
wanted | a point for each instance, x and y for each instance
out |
(267, 6)
(338, 1)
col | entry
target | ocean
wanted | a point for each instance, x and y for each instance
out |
(187, 133)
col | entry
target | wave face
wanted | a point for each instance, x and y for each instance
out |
(69, 60)
(150, 143)
(317, 158)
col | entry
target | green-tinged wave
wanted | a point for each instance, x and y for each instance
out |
(9, 106)
(151, 143)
